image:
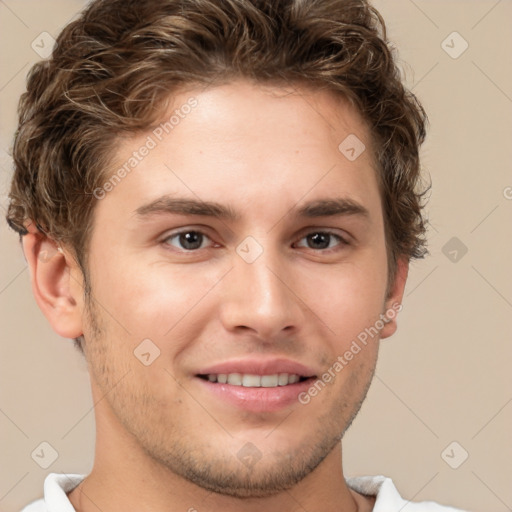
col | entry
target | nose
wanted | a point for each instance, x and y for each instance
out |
(259, 298)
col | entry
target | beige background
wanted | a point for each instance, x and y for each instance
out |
(444, 377)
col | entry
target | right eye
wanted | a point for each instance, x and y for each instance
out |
(187, 240)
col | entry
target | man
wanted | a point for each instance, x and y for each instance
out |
(218, 202)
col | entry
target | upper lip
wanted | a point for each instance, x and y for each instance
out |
(258, 367)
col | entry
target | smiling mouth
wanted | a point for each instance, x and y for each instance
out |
(248, 380)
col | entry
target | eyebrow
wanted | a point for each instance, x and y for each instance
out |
(317, 208)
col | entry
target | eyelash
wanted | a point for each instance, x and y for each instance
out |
(342, 242)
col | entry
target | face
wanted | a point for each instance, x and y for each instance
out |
(269, 287)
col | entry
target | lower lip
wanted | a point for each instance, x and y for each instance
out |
(258, 399)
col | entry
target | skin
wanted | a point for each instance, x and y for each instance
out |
(162, 441)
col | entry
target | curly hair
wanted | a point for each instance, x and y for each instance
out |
(113, 69)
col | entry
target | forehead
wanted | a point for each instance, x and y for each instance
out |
(249, 144)
(243, 109)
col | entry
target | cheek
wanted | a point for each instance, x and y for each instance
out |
(154, 300)
(350, 298)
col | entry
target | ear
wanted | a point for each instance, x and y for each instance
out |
(56, 282)
(393, 304)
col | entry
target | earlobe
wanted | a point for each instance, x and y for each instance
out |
(51, 279)
(393, 304)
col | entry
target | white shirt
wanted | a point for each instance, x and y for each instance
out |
(387, 498)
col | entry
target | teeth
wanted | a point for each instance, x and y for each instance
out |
(235, 379)
(292, 379)
(282, 380)
(269, 381)
(254, 381)
(251, 381)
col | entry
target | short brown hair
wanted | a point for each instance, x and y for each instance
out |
(113, 70)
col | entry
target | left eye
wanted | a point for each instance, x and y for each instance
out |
(188, 240)
(322, 240)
